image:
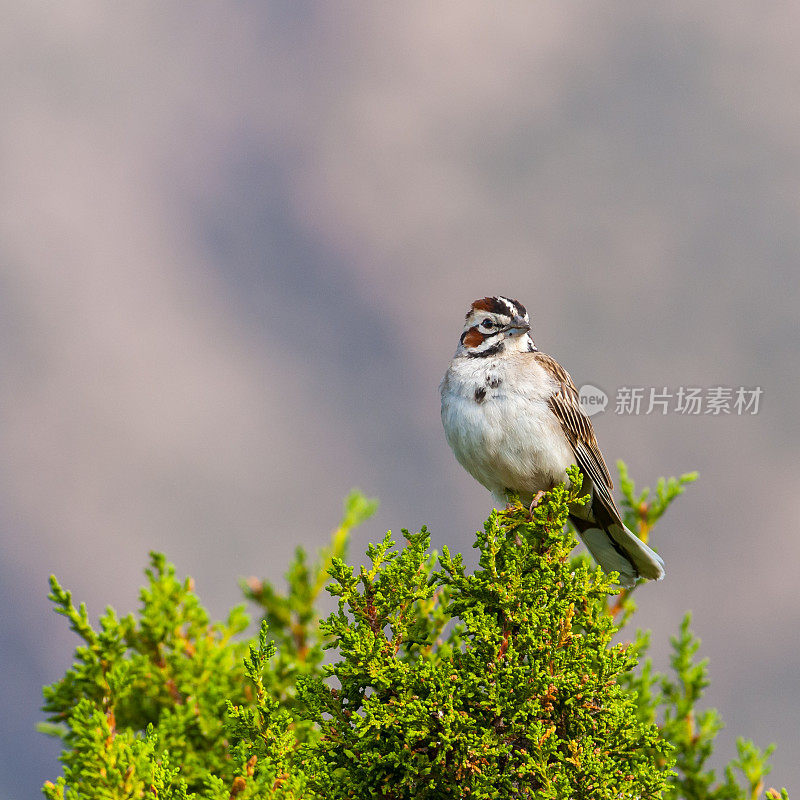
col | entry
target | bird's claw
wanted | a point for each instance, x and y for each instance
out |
(536, 500)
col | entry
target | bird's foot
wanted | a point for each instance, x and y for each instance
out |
(536, 500)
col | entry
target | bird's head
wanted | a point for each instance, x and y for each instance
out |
(495, 325)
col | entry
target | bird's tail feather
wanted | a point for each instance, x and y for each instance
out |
(619, 550)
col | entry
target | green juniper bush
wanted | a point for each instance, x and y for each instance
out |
(441, 682)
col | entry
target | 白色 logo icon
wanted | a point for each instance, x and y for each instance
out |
(592, 399)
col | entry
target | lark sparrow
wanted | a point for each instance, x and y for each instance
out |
(513, 419)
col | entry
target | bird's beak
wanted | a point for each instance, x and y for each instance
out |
(518, 325)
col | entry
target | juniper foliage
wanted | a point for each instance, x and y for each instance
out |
(442, 682)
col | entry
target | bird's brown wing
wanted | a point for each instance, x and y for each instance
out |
(565, 404)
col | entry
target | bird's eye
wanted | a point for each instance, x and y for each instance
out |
(487, 323)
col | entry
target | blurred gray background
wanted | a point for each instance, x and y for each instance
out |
(236, 246)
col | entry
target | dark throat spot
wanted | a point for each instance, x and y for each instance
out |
(480, 394)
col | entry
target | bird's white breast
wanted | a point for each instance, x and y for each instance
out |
(497, 421)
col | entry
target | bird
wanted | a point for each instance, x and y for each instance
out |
(513, 418)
